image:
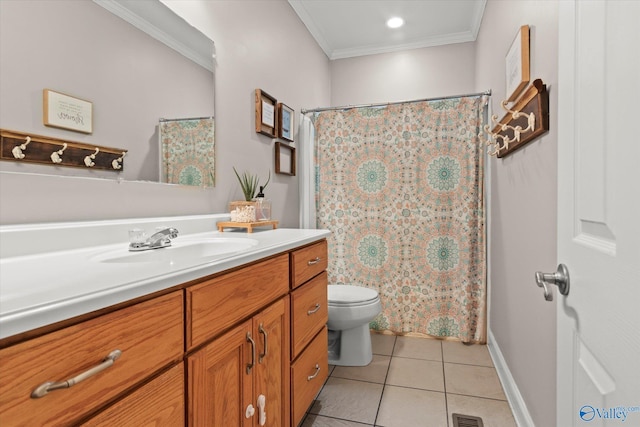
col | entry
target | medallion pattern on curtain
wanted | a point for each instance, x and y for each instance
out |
(188, 151)
(401, 189)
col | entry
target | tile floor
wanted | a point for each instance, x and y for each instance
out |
(413, 382)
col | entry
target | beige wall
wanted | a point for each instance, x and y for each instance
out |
(259, 45)
(403, 76)
(523, 209)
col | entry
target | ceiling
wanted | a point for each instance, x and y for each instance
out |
(347, 28)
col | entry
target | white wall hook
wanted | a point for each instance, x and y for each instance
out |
(55, 156)
(117, 163)
(18, 149)
(88, 160)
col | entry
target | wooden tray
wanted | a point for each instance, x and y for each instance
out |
(248, 225)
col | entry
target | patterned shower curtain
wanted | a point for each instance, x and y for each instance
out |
(401, 189)
(188, 151)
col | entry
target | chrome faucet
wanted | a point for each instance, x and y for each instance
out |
(160, 239)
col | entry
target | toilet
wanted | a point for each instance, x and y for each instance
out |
(351, 308)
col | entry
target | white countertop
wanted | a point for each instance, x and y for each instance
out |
(37, 289)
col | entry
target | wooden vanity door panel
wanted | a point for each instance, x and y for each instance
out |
(308, 262)
(220, 389)
(309, 312)
(157, 403)
(272, 373)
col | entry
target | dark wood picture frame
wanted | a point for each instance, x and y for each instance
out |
(285, 122)
(266, 122)
(285, 166)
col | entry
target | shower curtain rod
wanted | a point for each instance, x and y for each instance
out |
(186, 118)
(383, 104)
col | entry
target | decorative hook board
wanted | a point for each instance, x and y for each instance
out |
(25, 147)
(535, 100)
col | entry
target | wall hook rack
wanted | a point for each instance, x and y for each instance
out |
(524, 121)
(58, 152)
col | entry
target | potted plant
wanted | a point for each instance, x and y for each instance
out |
(245, 211)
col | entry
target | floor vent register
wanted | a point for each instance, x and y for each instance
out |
(460, 420)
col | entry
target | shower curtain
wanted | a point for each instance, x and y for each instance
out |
(401, 189)
(188, 151)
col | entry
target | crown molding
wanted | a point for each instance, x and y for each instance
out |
(163, 24)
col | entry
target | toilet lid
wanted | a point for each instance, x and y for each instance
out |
(350, 294)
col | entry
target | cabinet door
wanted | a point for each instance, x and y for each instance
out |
(271, 374)
(220, 388)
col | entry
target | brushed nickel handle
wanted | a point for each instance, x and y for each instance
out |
(310, 377)
(560, 278)
(266, 338)
(313, 261)
(253, 353)
(44, 389)
(315, 310)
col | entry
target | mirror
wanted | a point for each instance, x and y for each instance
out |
(132, 78)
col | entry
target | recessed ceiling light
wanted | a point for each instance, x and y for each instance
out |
(395, 22)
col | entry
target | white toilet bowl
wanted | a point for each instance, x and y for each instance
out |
(351, 308)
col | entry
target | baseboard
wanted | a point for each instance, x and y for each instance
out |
(516, 402)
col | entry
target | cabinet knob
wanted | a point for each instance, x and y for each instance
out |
(250, 411)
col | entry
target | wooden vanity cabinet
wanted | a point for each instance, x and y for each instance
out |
(202, 355)
(309, 315)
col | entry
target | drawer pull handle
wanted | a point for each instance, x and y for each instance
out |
(310, 377)
(315, 310)
(253, 353)
(44, 389)
(266, 337)
(313, 261)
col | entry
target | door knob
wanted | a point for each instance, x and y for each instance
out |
(560, 278)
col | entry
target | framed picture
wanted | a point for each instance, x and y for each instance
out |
(66, 112)
(517, 64)
(285, 159)
(285, 122)
(265, 113)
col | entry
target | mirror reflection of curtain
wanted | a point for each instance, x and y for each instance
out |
(188, 151)
(401, 189)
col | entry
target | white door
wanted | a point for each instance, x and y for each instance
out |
(598, 365)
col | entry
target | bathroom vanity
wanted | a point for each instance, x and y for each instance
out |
(191, 336)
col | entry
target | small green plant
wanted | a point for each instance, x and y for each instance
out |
(250, 184)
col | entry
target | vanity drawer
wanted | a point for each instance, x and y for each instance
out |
(309, 312)
(308, 262)
(308, 374)
(149, 335)
(159, 403)
(218, 304)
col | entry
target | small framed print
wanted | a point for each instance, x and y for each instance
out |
(517, 64)
(66, 112)
(265, 113)
(285, 159)
(285, 122)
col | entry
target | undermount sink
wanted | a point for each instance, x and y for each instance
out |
(200, 250)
